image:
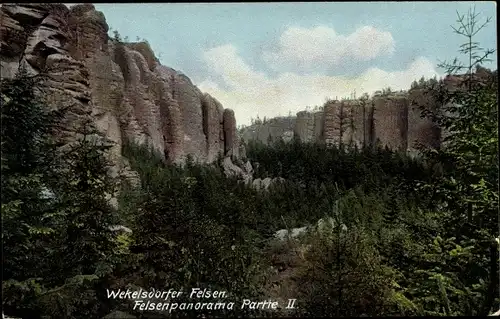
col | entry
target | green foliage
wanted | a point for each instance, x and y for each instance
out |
(56, 240)
(26, 128)
(194, 230)
(82, 197)
(468, 186)
(189, 211)
(117, 37)
(345, 276)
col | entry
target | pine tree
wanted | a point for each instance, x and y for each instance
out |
(468, 186)
(84, 196)
(56, 218)
(27, 155)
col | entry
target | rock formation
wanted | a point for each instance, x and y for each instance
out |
(391, 120)
(304, 127)
(121, 87)
(332, 122)
(264, 184)
(421, 131)
(244, 173)
(271, 130)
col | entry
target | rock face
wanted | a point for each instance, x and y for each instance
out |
(333, 122)
(421, 131)
(309, 126)
(270, 131)
(304, 127)
(232, 170)
(213, 126)
(229, 130)
(393, 121)
(390, 122)
(121, 87)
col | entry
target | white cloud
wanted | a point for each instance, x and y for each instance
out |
(225, 61)
(250, 93)
(305, 49)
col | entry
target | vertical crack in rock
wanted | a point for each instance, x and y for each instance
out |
(370, 131)
(174, 133)
(318, 126)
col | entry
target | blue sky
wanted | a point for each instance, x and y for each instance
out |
(268, 59)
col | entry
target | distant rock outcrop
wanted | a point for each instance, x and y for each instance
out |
(272, 130)
(121, 87)
(391, 120)
(244, 173)
(264, 184)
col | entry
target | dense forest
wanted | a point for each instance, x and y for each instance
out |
(413, 236)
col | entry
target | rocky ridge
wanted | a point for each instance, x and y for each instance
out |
(393, 120)
(120, 87)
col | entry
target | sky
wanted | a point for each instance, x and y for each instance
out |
(269, 59)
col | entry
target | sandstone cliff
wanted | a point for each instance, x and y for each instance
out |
(392, 120)
(267, 131)
(121, 87)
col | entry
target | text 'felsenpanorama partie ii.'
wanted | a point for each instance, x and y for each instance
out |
(200, 299)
